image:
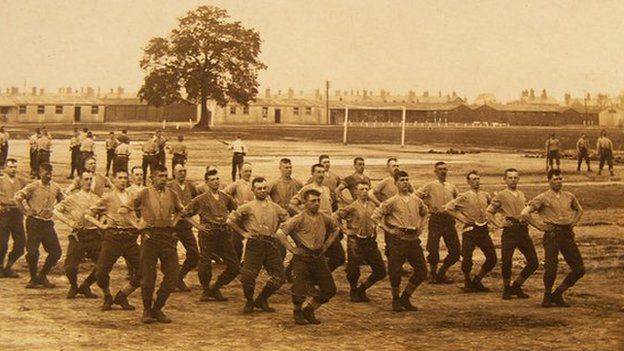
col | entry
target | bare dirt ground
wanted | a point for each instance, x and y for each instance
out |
(448, 319)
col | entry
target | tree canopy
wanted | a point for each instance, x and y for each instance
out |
(207, 57)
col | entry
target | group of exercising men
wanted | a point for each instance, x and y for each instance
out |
(107, 216)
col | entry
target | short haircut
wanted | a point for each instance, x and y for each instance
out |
(355, 160)
(257, 180)
(112, 133)
(88, 159)
(554, 172)
(124, 131)
(89, 134)
(210, 173)
(135, 167)
(390, 159)
(510, 170)
(307, 193)
(323, 157)
(12, 160)
(160, 168)
(285, 161)
(439, 163)
(315, 166)
(362, 183)
(474, 171)
(85, 129)
(400, 174)
(121, 171)
(46, 166)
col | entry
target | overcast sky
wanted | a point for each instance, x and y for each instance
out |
(498, 47)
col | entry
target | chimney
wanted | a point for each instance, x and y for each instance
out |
(267, 93)
(364, 94)
(382, 94)
(337, 93)
(14, 91)
(426, 94)
(317, 94)
(290, 93)
(120, 91)
(412, 95)
(33, 91)
(90, 91)
(567, 97)
(279, 92)
(300, 92)
(111, 91)
(68, 90)
(41, 91)
(8, 91)
(98, 92)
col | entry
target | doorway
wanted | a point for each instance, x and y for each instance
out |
(278, 115)
(77, 114)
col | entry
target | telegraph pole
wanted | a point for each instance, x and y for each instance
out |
(327, 101)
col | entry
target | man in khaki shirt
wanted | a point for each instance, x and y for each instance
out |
(84, 240)
(509, 203)
(240, 190)
(361, 243)
(11, 219)
(258, 221)
(150, 160)
(559, 212)
(436, 194)
(470, 208)
(111, 144)
(553, 154)
(582, 152)
(386, 188)
(100, 183)
(36, 201)
(350, 182)
(179, 153)
(283, 189)
(402, 218)
(313, 232)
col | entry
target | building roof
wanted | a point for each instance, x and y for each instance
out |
(53, 100)
(6, 101)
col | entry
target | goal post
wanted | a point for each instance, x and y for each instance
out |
(345, 124)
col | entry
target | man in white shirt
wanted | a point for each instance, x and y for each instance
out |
(238, 157)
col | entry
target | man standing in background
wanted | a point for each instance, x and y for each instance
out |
(179, 153)
(604, 147)
(11, 219)
(74, 148)
(553, 156)
(111, 145)
(32, 141)
(582, 150)
(238, 157)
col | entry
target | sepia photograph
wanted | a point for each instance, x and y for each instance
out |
(311, 175)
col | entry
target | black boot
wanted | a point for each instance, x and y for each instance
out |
(558, 300)
(108, 302)
(407, 305)
(547, 301)
(45, 282)
(85, 291)
(354, 295)
(507, 293)
(216, 294)
(362, 293)
(249, 306)
(308, 314)
(517, 290)
(299, 319)
(121, 299)
(160, 316)
(397, 306)
(72, 292)
(147, 317)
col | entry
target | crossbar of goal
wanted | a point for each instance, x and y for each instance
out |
(385, 108)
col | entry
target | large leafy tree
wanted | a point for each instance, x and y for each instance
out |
(207, 57)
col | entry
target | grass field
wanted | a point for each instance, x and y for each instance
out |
(447, 320)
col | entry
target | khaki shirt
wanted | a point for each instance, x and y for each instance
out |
(178, 149)
(353, 180)
(76, 205)
(157, 207)
(556, 208)
(149, 147)
(358, 216)
(282, 190)
(74, 142)
(111, 144)
(212, 211)
(401, 211)
(436, 195)
(122, 150)
(44, 143)
(109, 206)
(87, 145)
(604, 143)
(99, 185)
(385, 189)
(310, 230)
(509, 203)
(473, 205)
(553, 144)
(240, 190)
(41, 198)
(8, 187)
(259, 218)
(185, 192)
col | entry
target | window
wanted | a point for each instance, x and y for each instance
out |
(95, 109)
(40, 109)
(296, 110)
(232, 110)
(265, 112)
(308, 110)
(4, 110)
(245, 110)
(59, 109)
(22, 109)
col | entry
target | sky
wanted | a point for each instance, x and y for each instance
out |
(472, 47)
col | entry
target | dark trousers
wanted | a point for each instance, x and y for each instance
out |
(11, 225)
(517, 237)
(161, 158)
(76, 158)
(237, 164)
(34, 166)
(120, 163)
(4, 153)
(110, 156)
(177, 159)
(184, 232)
(553, 157)
(442, 226)
(149, 161)
(605, 156)
(158, 244)
(262, 252)
(217, 241)
(400, 251)
(561, 239)
(364, 251)
(82, 243)
(335, 254)
(237, 243)
(117, 243)
(41, 232)
(583, 155)
(311, 271)
(471, 239)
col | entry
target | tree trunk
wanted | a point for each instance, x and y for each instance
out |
(205, 116)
